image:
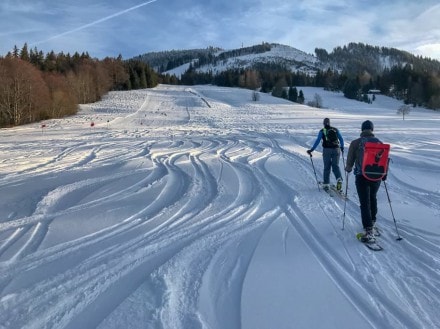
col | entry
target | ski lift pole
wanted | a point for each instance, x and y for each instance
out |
(313, 166)
(392, 213)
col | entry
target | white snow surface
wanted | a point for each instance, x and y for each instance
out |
(195, 207)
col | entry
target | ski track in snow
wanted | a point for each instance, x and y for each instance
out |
(153, 218)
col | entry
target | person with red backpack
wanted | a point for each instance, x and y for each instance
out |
(332, 146)
(369, 157)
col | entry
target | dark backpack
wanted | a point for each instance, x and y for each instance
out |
(330, 137)
(373, 157)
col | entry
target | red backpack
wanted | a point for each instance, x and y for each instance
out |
(374, 165)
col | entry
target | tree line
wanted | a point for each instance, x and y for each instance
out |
(414, 87)
(396, 73)
(35, 86)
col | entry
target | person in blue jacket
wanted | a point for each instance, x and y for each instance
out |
(332, 147)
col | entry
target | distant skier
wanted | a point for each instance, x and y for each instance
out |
(366, 188)
(332, 146)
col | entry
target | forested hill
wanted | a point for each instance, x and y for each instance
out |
(353, 69)
(219, 59)
(359, 57)
(351, 58)
(167, 60)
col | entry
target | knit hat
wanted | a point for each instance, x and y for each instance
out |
(367, 125)
(326, 122)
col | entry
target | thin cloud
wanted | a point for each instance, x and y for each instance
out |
(95, 22)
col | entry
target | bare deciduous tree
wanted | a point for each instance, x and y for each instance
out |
(404, 110)
(63, 101)
(316, 102)
(255, 96)
(23, 92)
(35, 87)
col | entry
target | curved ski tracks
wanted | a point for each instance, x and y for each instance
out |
(186, 229)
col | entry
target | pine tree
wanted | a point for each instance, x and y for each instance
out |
(293, 94)
(351, 89)
(24, 53)
(301, 97)
(15, 52)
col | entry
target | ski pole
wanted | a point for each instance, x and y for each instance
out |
(346, 173)
(346, 190)
(392, 213)
(313, 166)
(345, 199)
(343, 163)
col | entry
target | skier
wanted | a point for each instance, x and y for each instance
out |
(332, 146)
(366, 189)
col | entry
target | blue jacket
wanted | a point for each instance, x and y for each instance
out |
(321, 137)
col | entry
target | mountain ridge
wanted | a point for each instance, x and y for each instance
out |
(352, 58)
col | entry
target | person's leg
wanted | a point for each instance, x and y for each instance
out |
(374, 187)
(363, 189)
(327, 158)
(335, 154)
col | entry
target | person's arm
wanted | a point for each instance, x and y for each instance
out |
(318, 139)
(351, 156)
(341, 141)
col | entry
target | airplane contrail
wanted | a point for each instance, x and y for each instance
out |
(96, 22)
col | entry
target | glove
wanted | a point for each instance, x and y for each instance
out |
(384, 178)
(342, 149)
(309, 152)
(348, 169)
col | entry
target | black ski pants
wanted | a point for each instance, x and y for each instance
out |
(367, 193)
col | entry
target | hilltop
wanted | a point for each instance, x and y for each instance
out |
(353, 57)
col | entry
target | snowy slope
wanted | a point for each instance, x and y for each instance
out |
(294, 59)
(194, 207)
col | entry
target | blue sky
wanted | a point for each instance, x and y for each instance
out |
(133, 27)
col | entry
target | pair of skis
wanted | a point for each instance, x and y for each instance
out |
(371, 245)
(333, 191)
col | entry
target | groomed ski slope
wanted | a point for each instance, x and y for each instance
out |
(194, 207)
